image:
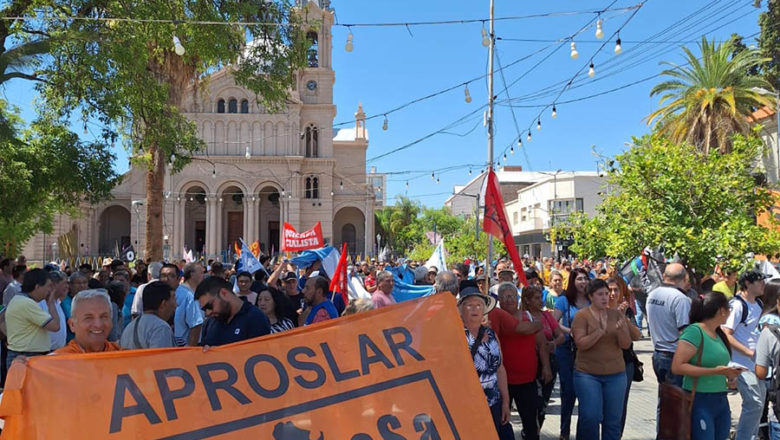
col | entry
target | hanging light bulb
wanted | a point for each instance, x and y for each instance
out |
(520, 142)
(214, 173)
(504, 157)
(177, 47)
(591, 71)
(554, 113)
(331, 193)
(466, 92)
(469, 175)
(538, 124)
(618, 47)
(407, 184)
(437, 180)
(485, 38)
(248, 155)
(384, 124)
(512, 149)
(529, 136)
(341, 184)
(599, 30)
(349, 46)
(433, 176)
(574, 54)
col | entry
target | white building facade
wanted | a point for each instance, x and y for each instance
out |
(259, 170)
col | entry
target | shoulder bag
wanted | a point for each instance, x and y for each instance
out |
(675, 416)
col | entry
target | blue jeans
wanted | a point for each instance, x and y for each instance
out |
(629, 379)
(505, 431)
(753, 392)
(662, 367)
(774, 431)
(601, 404)
(710, 417)
(568, 396)
(640, 313)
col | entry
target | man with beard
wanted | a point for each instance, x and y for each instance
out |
(318, 307)
(230, 318)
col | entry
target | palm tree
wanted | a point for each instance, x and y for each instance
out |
(710, 98)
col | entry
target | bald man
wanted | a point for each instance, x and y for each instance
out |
(667, 315)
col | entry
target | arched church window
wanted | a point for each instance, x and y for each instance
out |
(221, 106)
(307, 194)
(312, 53)
(244, 106)
(233, 105)
(315, 188)
(312, 141)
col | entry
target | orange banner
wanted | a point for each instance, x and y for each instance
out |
(400, 372)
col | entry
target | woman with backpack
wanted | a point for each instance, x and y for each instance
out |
(768, 350)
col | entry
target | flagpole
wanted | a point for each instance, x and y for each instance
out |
(490, 129)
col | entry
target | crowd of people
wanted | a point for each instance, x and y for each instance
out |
(573, 324)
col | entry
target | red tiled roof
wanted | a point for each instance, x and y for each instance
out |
(762, 113)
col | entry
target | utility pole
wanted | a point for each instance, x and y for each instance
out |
(490, 129)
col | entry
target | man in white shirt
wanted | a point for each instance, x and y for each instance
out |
(741, 329)
(154, 275)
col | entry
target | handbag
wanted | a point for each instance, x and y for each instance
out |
(674, 421)
(639, 369)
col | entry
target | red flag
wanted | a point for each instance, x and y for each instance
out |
(339, 281)
(495, 223)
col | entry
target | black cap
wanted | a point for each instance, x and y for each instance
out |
(752, 276)
(289, 276)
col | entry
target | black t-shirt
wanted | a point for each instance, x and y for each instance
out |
(249, 322)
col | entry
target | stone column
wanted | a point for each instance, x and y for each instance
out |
(211, 227)
(251, 228)
(218, 237)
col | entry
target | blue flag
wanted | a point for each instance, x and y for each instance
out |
(248, 261)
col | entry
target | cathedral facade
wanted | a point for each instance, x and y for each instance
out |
(258, 171)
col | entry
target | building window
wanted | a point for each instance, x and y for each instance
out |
(514, 217)
(312, 188)
(221, 106)
(244, 106)
(233, 105)
(312, 53)
(312, 141)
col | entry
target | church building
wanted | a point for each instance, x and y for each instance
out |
(258, 171)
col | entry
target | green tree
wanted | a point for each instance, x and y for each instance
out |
(45, 170)
(709, 99)
(128, 75)
(769, 42)
(672, 195)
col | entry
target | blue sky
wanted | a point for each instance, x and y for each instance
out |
(391, 66)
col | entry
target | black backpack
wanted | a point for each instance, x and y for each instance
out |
(745, 310)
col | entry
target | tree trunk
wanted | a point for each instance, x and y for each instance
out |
(155, 179)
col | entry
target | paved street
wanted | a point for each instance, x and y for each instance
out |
(640, 421)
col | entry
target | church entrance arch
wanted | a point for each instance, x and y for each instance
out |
(349, 226)
(114, 230)
(268, 210)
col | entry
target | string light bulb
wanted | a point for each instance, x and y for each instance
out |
(520, 141)
(437, 180)
(248, 154)
(433, 176)
(554, 112)
(177, 47)
(512, 149)
(331, 193)
(591, 71)
(574, 54)
(618, 47)
(468, 95)
(599, 29)
(349, 46)
(529, 136)
(384, 124)
(538, 124)
(214, 173)
(407, 183)
(485, 38)
(341, 184)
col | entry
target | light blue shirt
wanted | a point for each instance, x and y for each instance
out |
(187, 316)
